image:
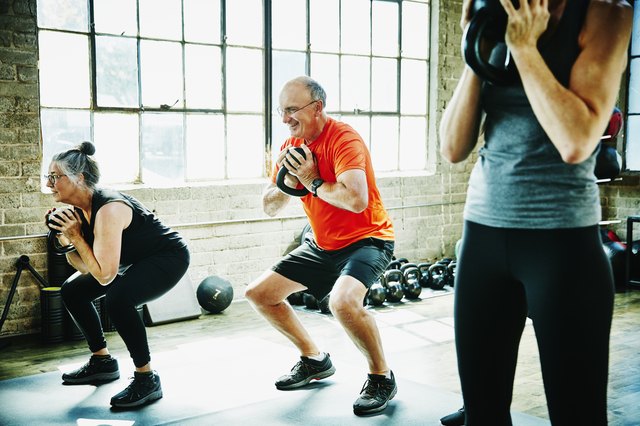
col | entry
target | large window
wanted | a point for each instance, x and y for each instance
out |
(175, 91)
(632, 151)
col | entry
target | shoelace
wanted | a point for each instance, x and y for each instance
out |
(376, 388)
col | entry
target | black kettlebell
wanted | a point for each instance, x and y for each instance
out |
(377, 294)
(438, 272)
(483, 43)
(425, 276)
(52, 237)
(411, 281)
(393, 283)
(296, 192)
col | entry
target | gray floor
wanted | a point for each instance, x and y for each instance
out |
(220, 367)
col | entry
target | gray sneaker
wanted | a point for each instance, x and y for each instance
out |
(98, 369)
(305, 371)
(375, 394)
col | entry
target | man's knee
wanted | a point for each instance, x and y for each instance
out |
(270, 289)
(347, 297)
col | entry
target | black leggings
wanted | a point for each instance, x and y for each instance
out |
(562, 280)
(142, 282)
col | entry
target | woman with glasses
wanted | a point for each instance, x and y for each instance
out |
(123, 252)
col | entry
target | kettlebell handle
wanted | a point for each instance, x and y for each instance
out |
(487, 18)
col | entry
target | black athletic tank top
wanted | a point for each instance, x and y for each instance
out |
(145, 235)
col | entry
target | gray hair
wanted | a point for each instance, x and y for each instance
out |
(78, 161)
(315, 89)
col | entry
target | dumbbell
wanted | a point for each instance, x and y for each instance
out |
(393, 284)
(411, 281)
(377, 293)
(425, 276)
(438, 274)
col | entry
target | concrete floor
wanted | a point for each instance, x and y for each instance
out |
(418, 339)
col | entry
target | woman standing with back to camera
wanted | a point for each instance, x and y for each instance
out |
(530, 240)
(123, 252)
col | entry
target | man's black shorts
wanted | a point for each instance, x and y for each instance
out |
(318, 269)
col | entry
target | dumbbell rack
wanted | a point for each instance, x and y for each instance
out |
(630, 221)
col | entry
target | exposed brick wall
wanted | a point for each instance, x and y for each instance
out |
(227, 231)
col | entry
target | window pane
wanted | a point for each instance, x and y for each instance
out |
(414, 87)
(325, 70)
(384, 143)
(116, 71)
(361, 124)
(632, 155)
(384, 87)
(355, 27)
(161, 76)
(203, 76)
(161, 19)
(116, 17)
(245, 146)
(415, 30)
(286, 65)
(325, 25)
(162, 151)
(635, 38)
(413, 143)
(244, 80)
(355, 83)
(62, 130)
(289, 29)
(244, 22)
(634, 87)
(205, 146)
(63, 14)
(384, 32)
(117, 146)
(202, 21)
(64, 82)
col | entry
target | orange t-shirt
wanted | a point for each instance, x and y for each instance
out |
(340, 148)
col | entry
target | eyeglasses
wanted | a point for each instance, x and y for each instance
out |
(52, 178)
(292, 110)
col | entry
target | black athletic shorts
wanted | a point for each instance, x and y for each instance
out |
(318, 269)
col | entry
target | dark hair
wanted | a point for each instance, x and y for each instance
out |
(78, 161)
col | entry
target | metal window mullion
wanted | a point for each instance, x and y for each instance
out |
(223, 52)
(268, 86)
(140, 105)
(93, 101)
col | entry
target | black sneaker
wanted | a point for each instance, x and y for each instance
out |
(304, 371)
(375, 394)
(144, 388)
(454, 419)
(98, 369)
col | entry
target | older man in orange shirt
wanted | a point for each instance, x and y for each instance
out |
(352, 242)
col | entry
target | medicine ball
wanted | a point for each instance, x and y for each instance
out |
(214, 294)
(608, 163)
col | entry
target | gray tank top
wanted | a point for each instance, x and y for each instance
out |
(520, 180)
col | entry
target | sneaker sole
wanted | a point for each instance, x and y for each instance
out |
(147, 399)
(321, 375)
(365, 412)
(101, 377)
